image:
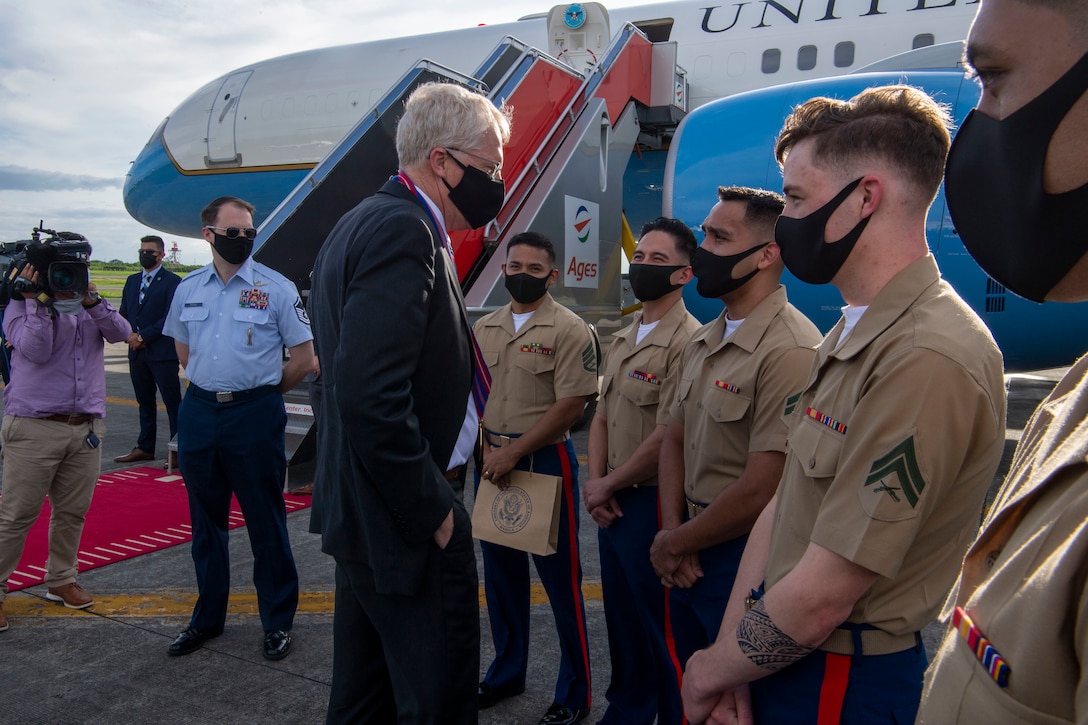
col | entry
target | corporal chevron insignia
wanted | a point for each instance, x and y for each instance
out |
(589, 358)
(791, 404)
(900, 466)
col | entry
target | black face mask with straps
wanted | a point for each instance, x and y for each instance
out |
(1023, 237)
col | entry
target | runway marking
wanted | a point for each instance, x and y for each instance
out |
(174, 603)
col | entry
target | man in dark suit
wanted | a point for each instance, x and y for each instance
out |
(152, 359)
(397, 372)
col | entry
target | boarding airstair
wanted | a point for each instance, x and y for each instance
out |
(573, 133)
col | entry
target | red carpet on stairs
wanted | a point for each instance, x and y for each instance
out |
(133, 512)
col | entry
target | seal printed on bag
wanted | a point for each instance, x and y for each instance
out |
(511, 510)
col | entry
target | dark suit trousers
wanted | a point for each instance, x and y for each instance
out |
(147, 375)
(409, 659)
(237, 447)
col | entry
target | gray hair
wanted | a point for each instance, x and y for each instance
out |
(445, 115)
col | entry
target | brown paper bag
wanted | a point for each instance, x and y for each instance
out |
(524, 515)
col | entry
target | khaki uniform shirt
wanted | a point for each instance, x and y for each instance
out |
(893, 444)
(639, 377)
(551, 357)
(1025, 582)
(731, 394)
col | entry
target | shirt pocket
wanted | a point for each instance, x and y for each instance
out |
(491, 359)
(640, 392)
(534, 363)
(817, 447)
(725, 406)
(251, 317)
(193, 314)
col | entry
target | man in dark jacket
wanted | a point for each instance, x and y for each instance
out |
(397, 376)
(152, 359)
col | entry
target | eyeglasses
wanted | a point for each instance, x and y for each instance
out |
(496, 171)
(235, 232)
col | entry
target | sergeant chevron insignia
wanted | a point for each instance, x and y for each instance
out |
(897, 476)
(589, 358)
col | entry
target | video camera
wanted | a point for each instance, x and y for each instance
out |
(61, 262)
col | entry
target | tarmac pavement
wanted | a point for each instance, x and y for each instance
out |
(108, 664)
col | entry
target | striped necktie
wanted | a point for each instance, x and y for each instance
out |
(144, 286)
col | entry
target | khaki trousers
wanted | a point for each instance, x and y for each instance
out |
(45, 457)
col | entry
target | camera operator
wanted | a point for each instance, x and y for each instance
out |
(52, 429)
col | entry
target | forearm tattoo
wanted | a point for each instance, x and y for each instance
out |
(764, 643)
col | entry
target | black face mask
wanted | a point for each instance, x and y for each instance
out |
(1023, 237)
(477, 197)
(525, 288)
(806, 254)
(233, 251)
(148, 259)
(651, 282)
(714, 273)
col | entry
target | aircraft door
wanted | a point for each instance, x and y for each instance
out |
(222, 150)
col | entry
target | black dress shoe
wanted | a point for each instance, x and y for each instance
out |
(490, 696)
(560, 715)
(189, 641)
(277, 644)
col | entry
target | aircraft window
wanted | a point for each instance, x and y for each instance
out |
(844, 54)
(658, 31)
(806, 57)
(923, 41)
(772, 60)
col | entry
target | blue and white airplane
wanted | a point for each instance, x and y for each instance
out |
(258, 130)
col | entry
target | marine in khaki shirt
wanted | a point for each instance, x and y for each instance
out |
(893, 445)
(551, 357)
(543, 365)
(1023, 584)
(725, 440)
(893, 440)
(1017, 644)
(639, 380)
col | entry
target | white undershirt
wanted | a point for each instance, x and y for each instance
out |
(520, 319)
(644, 329)
(731, 327)
(851, 315)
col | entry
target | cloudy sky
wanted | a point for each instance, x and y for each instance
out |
(83, 86)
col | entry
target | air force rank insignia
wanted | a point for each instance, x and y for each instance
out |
(300, 311)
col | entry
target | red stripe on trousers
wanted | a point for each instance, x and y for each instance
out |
(575, 565)
(670, 638)
(833, 689)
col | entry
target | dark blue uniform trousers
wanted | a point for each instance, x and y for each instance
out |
(646, 671)
(146, 376)
(238, 447)
(506, 585)
(827, 689)
(697, 612)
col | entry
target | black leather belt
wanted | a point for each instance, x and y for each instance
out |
(232, 396)
(73, 419)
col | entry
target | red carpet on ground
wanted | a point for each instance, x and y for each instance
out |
(133, 512)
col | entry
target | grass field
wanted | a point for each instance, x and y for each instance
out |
(111, 283)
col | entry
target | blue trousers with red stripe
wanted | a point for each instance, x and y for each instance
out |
(646, 672)
(829, 689)
(506, 586)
